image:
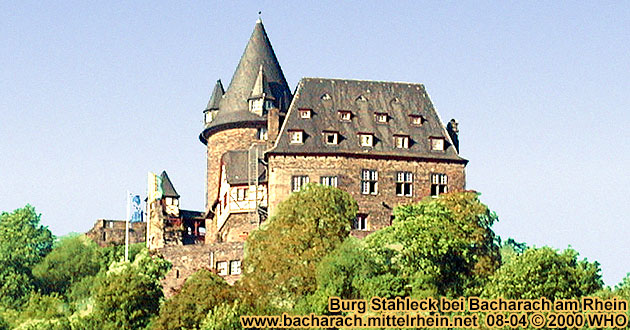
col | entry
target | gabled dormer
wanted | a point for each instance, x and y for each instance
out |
(213, 105)
(170, 196)
(261, 99)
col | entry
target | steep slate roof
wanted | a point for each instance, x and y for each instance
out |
(217, 95)
(261, 86)
(167, 187)
(236, 167)
(234, 107)
(363, 98)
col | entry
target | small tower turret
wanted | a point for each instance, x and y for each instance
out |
(261, 98)
(213, 105)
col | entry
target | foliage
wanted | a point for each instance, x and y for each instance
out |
(281, 257)
(23, 243)
(543, 272)
(201, 292)
(440, 246)
(72, 259)
(224, 317)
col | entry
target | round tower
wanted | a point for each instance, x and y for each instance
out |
(239, 117)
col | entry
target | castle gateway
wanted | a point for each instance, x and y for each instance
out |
(382, 142)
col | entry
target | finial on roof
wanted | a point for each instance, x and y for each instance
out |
(259, 20)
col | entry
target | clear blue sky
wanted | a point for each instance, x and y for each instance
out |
(94, 95)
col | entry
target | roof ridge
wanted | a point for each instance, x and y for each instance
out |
(364, 80)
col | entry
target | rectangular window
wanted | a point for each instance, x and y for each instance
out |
(366, 140)
(329, 181)
(305, 113)
(261, 134)
(345, 115)
(381, 117)
(404, 183)
(439, 184)
(331, 137)
(241, 194)
(416, 120)
(222, 268)
(235, 267)
(369, 182)
(297, 182)
(401, 141)
(360, 222)
(296, 136)
(437, 144)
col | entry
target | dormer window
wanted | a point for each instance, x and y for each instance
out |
(326, 97)
(256, 106)
(297, 137)
(437, 143)
(345, 115)
(416, 120)
(305, 113)
(331, 137)
(209, 116)
(366, 139)
(269, 104)
(381, 117)
(262, 134)
(401, 141)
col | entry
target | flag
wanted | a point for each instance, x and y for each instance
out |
(136, 209)
(155, 187)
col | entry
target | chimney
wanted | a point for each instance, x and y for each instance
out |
(453, 132)
(273, 124)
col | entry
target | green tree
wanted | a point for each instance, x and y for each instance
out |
(72, 259)
(202, 291)
(440, 246)
(23, 243)
(281, 257)
(543, 272)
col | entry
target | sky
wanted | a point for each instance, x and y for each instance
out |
(93, 95)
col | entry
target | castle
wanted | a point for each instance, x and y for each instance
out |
(382, 142)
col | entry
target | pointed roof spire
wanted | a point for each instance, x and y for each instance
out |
(234, 106)
(217, 95)
(261, 87)
(167, 187)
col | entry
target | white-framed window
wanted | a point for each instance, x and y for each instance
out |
(331, 137)
(169, 201)
(222, 268)
(241, 194)
(360, 222)
(437, 144)
(111, 224)
(256, 106)
(416, 120)
(369, 182)
(269, 104)
(439, 184)
(326, 97)
(261, 133)
(366, 139)
(305, 113)
(298, 181)
(401, 141)
(381, 117)
(404, 184)
(328, 181)
(235, 267)
(345, 115)
(209, 116)
(297, 136)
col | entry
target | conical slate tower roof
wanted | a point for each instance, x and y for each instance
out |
(234, 106)
(217, 95)
(167, 186)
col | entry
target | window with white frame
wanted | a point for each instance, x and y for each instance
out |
(360, 222)
(366, 139)
(328, 181)
(235, 267)
(241, 194)
(416, 120)
(297, 136)
(401, 141)
(369, 182)
(331, 137)
(437, 144)
(404, 184)
(305, 113)
(439, 184)
(345, 115)
(262, 134)
(222, 268)
(381, 117)
(299, 181)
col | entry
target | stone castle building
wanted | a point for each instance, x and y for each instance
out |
(382, 142)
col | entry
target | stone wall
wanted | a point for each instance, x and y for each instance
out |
(188, 259)
(378, 208)
(112, 232)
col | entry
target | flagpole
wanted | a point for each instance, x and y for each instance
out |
(127, 230)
